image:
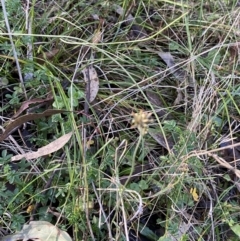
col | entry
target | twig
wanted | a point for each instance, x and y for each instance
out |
(87, 91)
(207, 152)
(225, 164)
(29, 75)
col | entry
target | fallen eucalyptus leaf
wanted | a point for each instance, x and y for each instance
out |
(43, 151)
(159, 138)
(158, 105)
(47, 56)
(39, 231)
(91, 78)
(26, 104)
(15, 124)
(169, 61)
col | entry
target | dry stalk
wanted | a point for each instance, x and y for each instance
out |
(225, 164)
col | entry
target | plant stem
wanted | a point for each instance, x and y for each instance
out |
(134, 158)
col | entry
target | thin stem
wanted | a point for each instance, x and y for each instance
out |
(134, 158)
(13, 47)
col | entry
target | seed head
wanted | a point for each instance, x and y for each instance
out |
(141, 121)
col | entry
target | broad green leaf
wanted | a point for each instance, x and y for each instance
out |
(236, 229)
(149, 234)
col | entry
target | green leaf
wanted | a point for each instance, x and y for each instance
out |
(58, 103)
(134, 186)
(143, 185)
(164, 238)
(236, 229)
(147, 232)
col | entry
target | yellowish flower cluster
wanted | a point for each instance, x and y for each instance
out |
(141, 121)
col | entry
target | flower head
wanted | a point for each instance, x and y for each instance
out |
(141, 120)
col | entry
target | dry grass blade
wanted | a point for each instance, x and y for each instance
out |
(225, 164)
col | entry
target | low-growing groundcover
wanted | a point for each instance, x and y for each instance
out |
(120, 119)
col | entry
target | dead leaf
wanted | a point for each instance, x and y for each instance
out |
(234, 52)
(89, 144)
(47, 56)
(159, 138)
(137, 32)
(26, 104)
(39, 231)
(179, 97)
(158, 105)
(97, 37)
(15, 124)
(91, 78)
(170, 62)
(48, 149)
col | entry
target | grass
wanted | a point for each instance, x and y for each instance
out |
(147, 160)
